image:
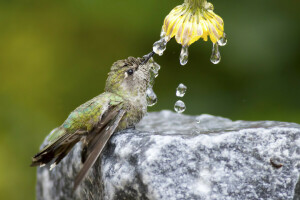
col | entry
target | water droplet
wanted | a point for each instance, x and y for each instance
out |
(151, 97)
(181, 89)
(215, 56)
(155, 68)
(223, 41)
(162, 33)
(160, 46)
(184, 55)
(179, 106)
(152, 78)
(151, 60)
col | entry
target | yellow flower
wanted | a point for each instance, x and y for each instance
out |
(189, 22)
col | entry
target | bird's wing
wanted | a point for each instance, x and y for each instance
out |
(109, 111)
(99, 138)
(63, 138)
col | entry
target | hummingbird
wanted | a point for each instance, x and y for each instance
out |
(122, 105)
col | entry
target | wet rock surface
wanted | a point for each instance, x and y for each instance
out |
(173, 156)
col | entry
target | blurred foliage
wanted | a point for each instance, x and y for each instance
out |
(55, 55)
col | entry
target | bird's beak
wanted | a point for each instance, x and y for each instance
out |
(147, 57)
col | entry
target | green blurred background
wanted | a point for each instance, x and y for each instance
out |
(55, 55)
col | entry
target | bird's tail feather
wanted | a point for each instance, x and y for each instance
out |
(56, 150)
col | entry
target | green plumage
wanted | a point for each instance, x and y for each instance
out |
(87, 115)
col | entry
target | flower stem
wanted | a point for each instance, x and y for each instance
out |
(196, 3)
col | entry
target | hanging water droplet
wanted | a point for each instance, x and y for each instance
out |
(184, 55)
(179, 106)
(181, 89)
(223, 41)
(160, 46)
(215, 56)
(151, 97)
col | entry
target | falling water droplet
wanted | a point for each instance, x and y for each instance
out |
(184, 55)
(181, 89)
(215, 56)
(223, 41)
(160, 46)
(151, 97)
(179, 106)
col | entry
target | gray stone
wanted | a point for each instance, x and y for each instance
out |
(173, 156)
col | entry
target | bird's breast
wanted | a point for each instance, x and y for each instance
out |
(134, 113)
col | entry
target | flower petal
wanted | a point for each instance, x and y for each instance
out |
(193, 20)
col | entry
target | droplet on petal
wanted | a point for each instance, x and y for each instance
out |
(223, 41)
(184, 55)
(162, 34)
(215, 56)
(179, 106)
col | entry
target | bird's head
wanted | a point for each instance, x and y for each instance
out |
(129, 77)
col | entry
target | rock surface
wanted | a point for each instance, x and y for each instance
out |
(172, 156)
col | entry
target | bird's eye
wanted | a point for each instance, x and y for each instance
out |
(130, 71)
